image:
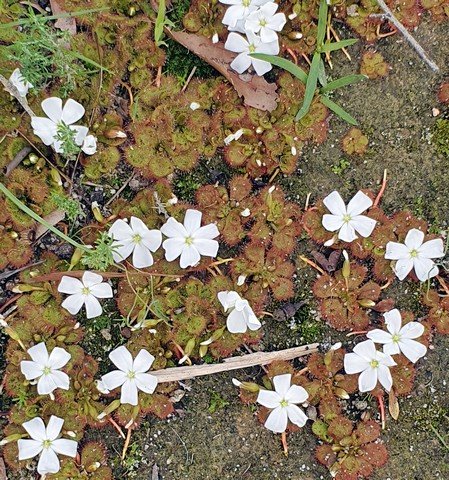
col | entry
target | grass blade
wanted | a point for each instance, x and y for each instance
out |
(290, 67)
(160, 21)
(330, 47)
(311, 85)
(90, 61)
(47, 18)
(343, 114)
(322, 74)
(342, 82)
(322, 23)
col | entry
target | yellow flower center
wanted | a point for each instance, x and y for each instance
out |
(374, 363)
(46, 443)
(396, 337)
(413, 253)
(189, 241)
(262, 22)
(85, 291)
(131, 375)
(347, 218)
(46, 371)
(283, 403)
(137, 239)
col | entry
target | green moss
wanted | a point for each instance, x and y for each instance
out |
(440, 136)
(216, 402)
(186, 184)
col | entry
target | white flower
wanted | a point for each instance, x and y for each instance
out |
(399, 339)
(253, 44)
(284, 402)
(371, 364)
(131, 375)
(135, 238)
(20, 83)
(239, 10)
(46, 368)
(194, 106)
(348, 220)
(89, 146)
(266, 22)
(45, 441)
(190, 240)
(246, 212)
(241, 316)
(234, 136)
(84, 292)
(413, 253)
(47, 128)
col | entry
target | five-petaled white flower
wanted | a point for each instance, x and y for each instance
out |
(253, 44)
(131, 375)
(135, 238)
(399, 339)
(413, 253)
(239, 10)
(284, 402)
(371, 364)
(46, 368)
(45, 441)
(348, 220)
(61, 117)
(266, 22)
(241, 315)
(20, 83)
(84, 292)
(190, 240)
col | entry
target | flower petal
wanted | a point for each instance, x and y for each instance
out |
(45, 129)
(29, 448)
(120, 230)
(368, 379)
(391, 348)
(129, 393)
(192, 221)
(432, 249)
(73, 303)
(228, 298)
(93, 307)
(403, 267)
(332, 223)
(54, 427)
(36, 429)
(277, 420)
(385, 359)
(296, 394)
(90, 279)
(282, 384)
(122, 358)
(354, 363)
(208, 232)
(412, 349)
(81, 136)
(48, 462)
(72, 112)
(425, 268)
(173, 229)
(335, 204)
(414, 239)
(122, 249)
(143, 361)
(363, 225)
(189, 256)
(101, 290)
(39, 353)
(65, 447)
(114, 379)
(412, 330)
(52, 107)
(173, 248)
(58, 358)
(347, 233)
(146, 382)
(366, 350)
(31, 370)
(46, 384)
(236, 43)
(260, 66)
(241, 62)
(70, 285)
(152, 239)
(232, 15)
(142, 257)
(385, 378)
(379, 336)
(268, 398)
(207, 248)
(236, 322)
(359, 203)
(296, 415)
(396, 251)
(393, 320)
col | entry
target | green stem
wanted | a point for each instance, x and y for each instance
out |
(10, 196)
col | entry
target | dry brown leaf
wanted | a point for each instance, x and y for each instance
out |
(393, 405)
(52, 218)
(2, 470)
(67, 24)
(255, 90)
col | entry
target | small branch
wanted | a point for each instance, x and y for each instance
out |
(17, 160)
(177, 374)
(420, 51)
(12, 90)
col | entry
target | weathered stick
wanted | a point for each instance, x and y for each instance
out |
(388, 14)
(12, 90)
(177, 374)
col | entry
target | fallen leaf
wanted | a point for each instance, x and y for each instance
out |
(66, 24)
(255, 90)
(2, 470)
(52, 218)
(393, 405)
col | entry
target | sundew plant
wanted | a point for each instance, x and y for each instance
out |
(158, 226)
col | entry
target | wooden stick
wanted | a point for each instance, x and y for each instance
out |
(177, 374)
(419, 50)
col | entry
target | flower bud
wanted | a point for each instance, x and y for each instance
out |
(97, 212)
(346, 270)
(365, 302)
(55, 177)
(115, 132)
(295, 35)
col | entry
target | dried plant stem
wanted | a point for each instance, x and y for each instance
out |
(12, 90)
(177, 374)
(382, 189)
(388, 14)
(284, 443)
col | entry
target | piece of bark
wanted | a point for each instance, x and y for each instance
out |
(255, 90)
(66, 24)
(176, 374)
(2, 470)
(17, 160)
